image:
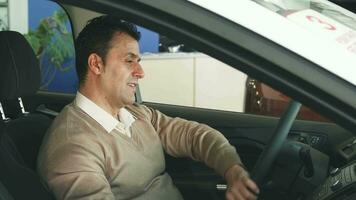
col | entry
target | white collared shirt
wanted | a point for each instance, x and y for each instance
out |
(104, 118)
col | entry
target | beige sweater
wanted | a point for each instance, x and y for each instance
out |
(80, 160)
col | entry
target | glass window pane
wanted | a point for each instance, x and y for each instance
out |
(51, 37)
(4, 22)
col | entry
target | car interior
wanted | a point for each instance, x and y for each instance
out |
(290, 159)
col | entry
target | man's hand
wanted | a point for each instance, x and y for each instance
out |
(239, 184)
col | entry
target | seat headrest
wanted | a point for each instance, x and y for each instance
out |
(19, 68)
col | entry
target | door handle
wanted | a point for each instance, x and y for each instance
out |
(221, 187)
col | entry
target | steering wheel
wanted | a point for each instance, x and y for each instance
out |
(271, 150)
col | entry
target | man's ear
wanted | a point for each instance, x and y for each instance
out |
(95, 64)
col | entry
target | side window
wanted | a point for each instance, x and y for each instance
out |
(47, 28)
(192, 79)
(177, 74)
(264, 100)
(4, 15)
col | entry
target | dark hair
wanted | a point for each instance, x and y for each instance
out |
(96, 37)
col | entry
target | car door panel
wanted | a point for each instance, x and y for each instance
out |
(249, 133)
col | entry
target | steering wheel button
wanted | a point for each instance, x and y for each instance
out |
(321, 194)
(353, 141)
(334, 171)
(336, 185)
(323, 191)
(348, 178)
(347, 175)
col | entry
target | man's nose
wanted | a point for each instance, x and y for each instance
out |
(138, 71)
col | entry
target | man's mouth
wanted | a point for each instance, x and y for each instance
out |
(133, 85)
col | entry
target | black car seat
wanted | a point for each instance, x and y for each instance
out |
(20, 138)
(4, 194)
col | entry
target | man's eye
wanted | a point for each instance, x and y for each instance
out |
(129, 61)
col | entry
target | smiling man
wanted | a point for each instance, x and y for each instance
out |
(105, 146)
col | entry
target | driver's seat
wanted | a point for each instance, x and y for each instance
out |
(20, 138)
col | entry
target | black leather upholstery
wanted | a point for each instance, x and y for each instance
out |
(27, 133)
(20, 74)
(20, 138)
(19, 180)
(4, 194)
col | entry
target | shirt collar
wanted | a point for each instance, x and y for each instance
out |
(101, 116)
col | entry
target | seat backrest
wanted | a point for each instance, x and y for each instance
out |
(4, 194)
(20, 138)
(19, 180)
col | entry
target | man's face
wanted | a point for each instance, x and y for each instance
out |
(121, 71)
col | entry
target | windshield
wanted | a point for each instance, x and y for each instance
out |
(288, 7)
(319, 16)
(318, 30)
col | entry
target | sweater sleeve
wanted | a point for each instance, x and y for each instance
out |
(83, 178)
(183, 138)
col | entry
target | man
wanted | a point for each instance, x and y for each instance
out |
(105, 146)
